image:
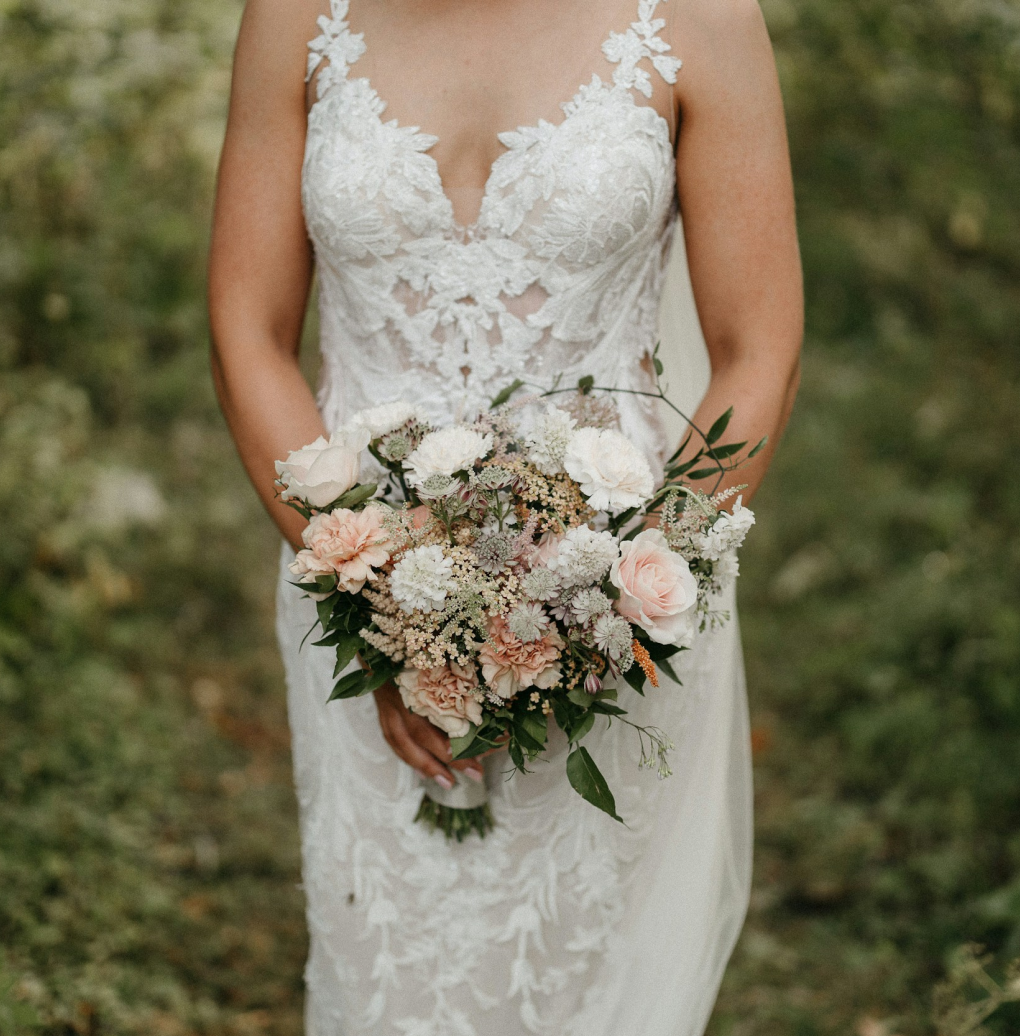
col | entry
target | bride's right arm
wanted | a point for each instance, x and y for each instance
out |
(260, 273)
(260, 264)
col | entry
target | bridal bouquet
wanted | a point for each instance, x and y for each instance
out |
(512, 572)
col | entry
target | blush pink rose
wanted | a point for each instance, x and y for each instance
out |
(349, 544)
(509, 664)
(448, 696)
(658, 592)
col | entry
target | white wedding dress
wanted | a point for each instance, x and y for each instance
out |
(561, 921)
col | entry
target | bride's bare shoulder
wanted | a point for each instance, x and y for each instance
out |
(274, 36)
(720, 39)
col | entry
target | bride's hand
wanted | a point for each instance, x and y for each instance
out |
(421, 745)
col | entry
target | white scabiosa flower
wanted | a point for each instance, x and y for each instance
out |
(611, 471)
(584, 556)
(727, 534)
(528, 622)
(540, 584)
(422, 578)
(588, 604)
(613, 636)
(548, 440)
(446, 452)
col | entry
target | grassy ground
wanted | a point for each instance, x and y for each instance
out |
(148, 848)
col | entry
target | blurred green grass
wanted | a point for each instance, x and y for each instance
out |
(148, 841)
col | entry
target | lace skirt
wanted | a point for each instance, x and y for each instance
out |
(561, 921)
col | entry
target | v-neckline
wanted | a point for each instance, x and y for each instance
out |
(466, 232)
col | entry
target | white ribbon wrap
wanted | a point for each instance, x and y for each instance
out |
(465, 793)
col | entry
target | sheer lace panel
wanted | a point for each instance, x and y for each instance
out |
(558, 271)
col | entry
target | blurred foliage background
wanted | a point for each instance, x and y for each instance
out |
(148, 842)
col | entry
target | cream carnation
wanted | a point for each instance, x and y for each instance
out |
(448, 696)
(509, 664)
(658, 592)
(609, 468)
(349, 544)
(322, 471)
(422, 578)
(447, 451)
(385, 418)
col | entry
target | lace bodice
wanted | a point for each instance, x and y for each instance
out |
(559, 274)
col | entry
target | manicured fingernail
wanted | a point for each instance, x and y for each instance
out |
(475, 775)
(443, 781)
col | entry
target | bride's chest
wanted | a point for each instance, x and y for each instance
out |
(597, 183)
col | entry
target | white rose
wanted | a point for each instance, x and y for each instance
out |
(447, 451)
(322, 471)
(386, 418)
(611, 471)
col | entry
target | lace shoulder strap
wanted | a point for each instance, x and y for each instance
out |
(640, 41)
(336, 45)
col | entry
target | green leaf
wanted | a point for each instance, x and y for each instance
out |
(579, 696)
(324, 609)
(758, 448)
(355, 496)
(585, 384)
(350, 686)
(502, 397)
(715, 432)
(347, 647)
(524, 738)
(722, 452)
(581, 727)
(657, 363)
(680, 449)
(470, 745)
(537, 725)
(665, 667)
(658, 651)
(706, 472)
(607, 708)
(588, 782)
(516, 755)
(636, 678)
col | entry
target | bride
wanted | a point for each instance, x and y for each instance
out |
(374, 142)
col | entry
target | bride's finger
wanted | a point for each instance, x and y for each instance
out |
(435, 741)
(419, 758)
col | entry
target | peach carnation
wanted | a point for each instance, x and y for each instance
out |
(448, 696)
(509, 664)
(349, 544)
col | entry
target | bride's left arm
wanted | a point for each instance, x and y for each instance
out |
(736, 198)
